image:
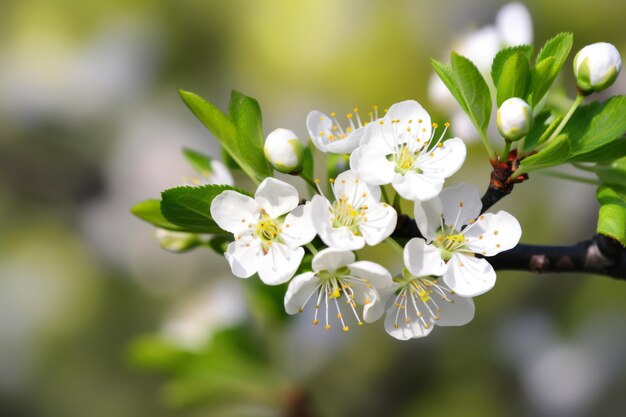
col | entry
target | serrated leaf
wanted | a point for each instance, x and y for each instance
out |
(549, 62)
(189, 207)
(447, 77)
(612, 214)
(503, 56)
(246, 115)
(220, 125)
(150, 211)
(594, 126)
(554, 154)
(513, 79)
(474, 90)
(199, 161)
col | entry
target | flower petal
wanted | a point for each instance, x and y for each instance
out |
(405, 330)
(233, 211)
(416, 187)
(371, 164)
(427, 216)
(443, 161)
(331, 259)
(377, 275)
(469, 276)
(493, 233)
(298, 227)
(299, 291)
(320, 128)
(276, 197)
(461, 204)
(279, 264)
(347, 144)
(339, 238)
(457, 313)
(408, 114)
(244, 259)
(514, 24)
(348, 185)
(422, 259)
(378, 223)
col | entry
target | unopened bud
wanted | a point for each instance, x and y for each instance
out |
(284, 151)
(596, 67)
(514, 119)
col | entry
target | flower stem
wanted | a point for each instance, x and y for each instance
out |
(395, 245)
(385, 194)
(572, 109)
(396, 204)
(488, 147)
(311, 248)
(506, 150)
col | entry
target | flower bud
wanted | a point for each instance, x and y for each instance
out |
(596, 67)
(284, 151)
(514, 119)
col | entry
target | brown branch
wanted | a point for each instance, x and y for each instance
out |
(501, 184)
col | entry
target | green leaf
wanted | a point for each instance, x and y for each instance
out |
(513, 78)
(613, 174)
(189, 207)
(200, 162)
(612, 215)
(150, 211)
(504, 55)
(219, 244)
(538, 131)
(474, 91)
(246, 114)
(595, 126)
(220, 125)
(549, 62)
(554, 154)
(447, 77)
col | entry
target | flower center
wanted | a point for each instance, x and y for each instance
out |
(449, 241)
(335, 285)
(354, 122)
(418, 297)
(344, 215)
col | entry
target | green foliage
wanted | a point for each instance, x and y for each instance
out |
(540, 130)
(554, 154)
(469, 89)
(613, 174)
(239, 133)
(612, 215)
(548, 64)
(200, 162)
(510, 72)
(150, 211)
(189, 207)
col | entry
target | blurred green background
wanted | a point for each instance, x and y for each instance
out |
(96, 320)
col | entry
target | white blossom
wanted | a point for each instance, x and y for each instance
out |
(269, 230)
(356, 217)
(336, 281)
(284, 151)
(420, 299)
(456, 233)
(514, 119)
(329, 136)
(400, 149)
(597, 66)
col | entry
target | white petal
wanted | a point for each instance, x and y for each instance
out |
(423, 260)
(320, 128)
(276, 197)
(458, 313)
(445, 160)
(410, 110)
(417, 187)
(376, 274)
(244, 258)
(348, 185)
(378, 223)
(514, 24)
(427, 216)
(220, 174)
(439, 94)
(481, 47)
(298, 227)
(371, 164)
(463, 127)
(331, 259)
(461, 204)
(469, 276)
(372, 298)
(233, 211)
(279, 264)
(340, 238)
(493, 233)
(299, 291)
(405, 331)
(347, 144)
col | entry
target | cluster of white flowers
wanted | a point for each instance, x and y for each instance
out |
(442, 271)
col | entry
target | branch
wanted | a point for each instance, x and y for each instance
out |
(501, 184)
(599, 255)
